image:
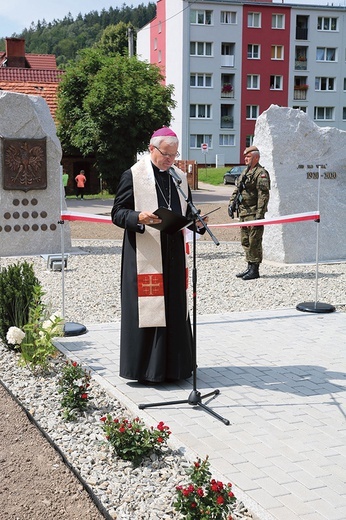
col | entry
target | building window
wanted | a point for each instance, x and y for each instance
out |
(201, 48)
(344, 83)
(226, 140)
(253, 51)
(278, 21)
(324, 83)
(200, 111)
(196, 140)
(155, 44)
(275, 82)
(229, 17)
(344, 113)
(254, 20)
(249, 140)
(159, 57)
(201, 17)
(326, 23)
(324, 113)
(277, 52)
(201, 80)
(325, 54)
(303, 109)
(252, 111)
(252, 82)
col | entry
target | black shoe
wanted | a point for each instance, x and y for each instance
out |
(240, 275)
(253, 272)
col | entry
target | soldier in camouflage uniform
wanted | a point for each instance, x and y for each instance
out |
(253, 206)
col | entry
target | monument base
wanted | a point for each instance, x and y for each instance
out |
(74, 329)
(315, 307)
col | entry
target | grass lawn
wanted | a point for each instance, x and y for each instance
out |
(212, 176)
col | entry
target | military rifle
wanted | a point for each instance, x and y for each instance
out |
(234, 206)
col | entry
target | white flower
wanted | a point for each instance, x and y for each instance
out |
(15, 336)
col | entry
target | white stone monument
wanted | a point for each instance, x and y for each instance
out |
(294, 150)
(30, 179)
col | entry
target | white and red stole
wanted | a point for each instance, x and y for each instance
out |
(151, 305)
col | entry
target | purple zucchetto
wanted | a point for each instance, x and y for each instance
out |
(164, 131)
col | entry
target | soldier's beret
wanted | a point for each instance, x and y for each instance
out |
(250, 149)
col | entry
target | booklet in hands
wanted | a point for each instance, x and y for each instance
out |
(171, 222)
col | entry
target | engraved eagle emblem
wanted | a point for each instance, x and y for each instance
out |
(25, 163)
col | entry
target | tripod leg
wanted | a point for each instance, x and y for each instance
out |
(216, 415)
(149, 405)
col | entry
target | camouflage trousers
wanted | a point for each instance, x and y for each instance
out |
(251, 241)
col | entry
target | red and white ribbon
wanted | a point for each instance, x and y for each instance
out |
(73, 215)
(287, 219)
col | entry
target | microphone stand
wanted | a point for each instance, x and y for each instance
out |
(195, 398)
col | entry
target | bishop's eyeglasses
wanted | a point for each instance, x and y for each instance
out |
(170, 155)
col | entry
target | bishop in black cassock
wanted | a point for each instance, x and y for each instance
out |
(156, 337)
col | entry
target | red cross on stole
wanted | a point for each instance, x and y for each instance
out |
(150, 284)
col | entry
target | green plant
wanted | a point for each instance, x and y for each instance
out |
(17, 286)
(37, 345)
(74, 386)
(204, 498)
(131, 440)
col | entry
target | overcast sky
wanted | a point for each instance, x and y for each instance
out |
(16, 15)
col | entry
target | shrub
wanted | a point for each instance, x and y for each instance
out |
(17, 286)
(204, 498)
(37, 345)
(74, 386)
(131, 440)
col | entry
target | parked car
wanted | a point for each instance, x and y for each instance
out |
(232, 175)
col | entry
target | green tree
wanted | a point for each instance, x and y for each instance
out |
(108, 106)
(114, 39)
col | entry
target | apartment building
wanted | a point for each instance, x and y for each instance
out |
(229, 61)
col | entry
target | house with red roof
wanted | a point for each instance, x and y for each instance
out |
(37, 74)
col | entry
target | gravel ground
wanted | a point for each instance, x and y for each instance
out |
(90, 287)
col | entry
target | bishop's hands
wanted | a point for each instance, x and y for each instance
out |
(146, 217)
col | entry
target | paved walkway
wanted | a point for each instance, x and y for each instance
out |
(282, 381)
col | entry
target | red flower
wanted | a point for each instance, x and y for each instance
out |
(159, 439)
(193, 505)
(122, 429)
(84, 396)
(103, 419)
(220, 499)
(200, 492)
(74, 363)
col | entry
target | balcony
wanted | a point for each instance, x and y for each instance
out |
(301, 64)
(300, 93)
(227, 61)
(227, 91)
(226, 122)
(301, 33)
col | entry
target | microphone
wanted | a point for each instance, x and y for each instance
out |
(174, 175)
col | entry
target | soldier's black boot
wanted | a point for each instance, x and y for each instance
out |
(240, 275)
(253, 272)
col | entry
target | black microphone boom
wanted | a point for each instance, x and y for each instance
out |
(174, 175)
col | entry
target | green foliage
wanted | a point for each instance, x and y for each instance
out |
(114, 39)
(74, 386)
(131, 440)
(204, 498)
(37, 346)
(66, 37)
(108, 106)
(17, 292)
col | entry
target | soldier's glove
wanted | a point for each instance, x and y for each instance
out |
(230, 211)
